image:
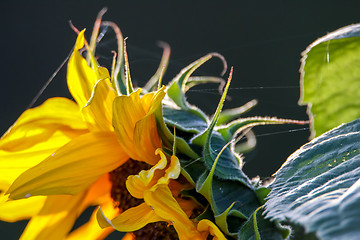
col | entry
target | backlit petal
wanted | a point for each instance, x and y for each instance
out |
(135, 124)
(80, 77)
(12, 211)
(55, 219)
(129, 236)
(12, 164)
(39, 124)
(72, 168)
(98, 111)
(131, 220)
(207, 226)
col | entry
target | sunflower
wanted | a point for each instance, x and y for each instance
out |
(113, 147)
(64, 156)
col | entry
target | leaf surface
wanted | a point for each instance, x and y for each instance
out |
(318, 186)
(330, 79)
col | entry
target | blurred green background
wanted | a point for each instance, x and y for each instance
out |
(261, 39)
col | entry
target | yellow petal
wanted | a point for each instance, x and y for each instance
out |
(146, 137)
(129, 236)
(72, 168)
(99, 192)
(137, 184)
(12, 164)
(131, 220)
(92, 230)
(207, 226)
(39, 124)
(12, 211)
(98, 111)
(172, 172)
(166, 207)
(81, 77)
(55, 219)
(135, 124)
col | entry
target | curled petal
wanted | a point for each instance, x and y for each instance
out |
(137, 184)
(131, 220)
(91, 229)
(206, 226)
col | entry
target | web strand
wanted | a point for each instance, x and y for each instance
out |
(33, 101)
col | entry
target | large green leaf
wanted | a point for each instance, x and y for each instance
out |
(318, 186)
(330, 79)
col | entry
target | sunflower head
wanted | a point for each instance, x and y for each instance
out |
(156, 165)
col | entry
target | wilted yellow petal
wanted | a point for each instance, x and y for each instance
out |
(172, 172)
(39, 124)
(98, 111)
(72, 168)
(135, 124)
(55, 219)
(207, 226)
(131, 220)
(166, 207)
(137, 184)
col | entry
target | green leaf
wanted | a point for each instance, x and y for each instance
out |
(330, 79)
(232, 202)
(192, 169)
(257, 227)
(318, 186)
(237, 219)
(228, 166)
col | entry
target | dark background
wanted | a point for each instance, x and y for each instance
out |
(263, 40)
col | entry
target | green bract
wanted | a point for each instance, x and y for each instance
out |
(206, 149)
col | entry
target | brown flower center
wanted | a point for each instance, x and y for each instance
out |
(124, 201)
(157, 230)
(121, 196)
